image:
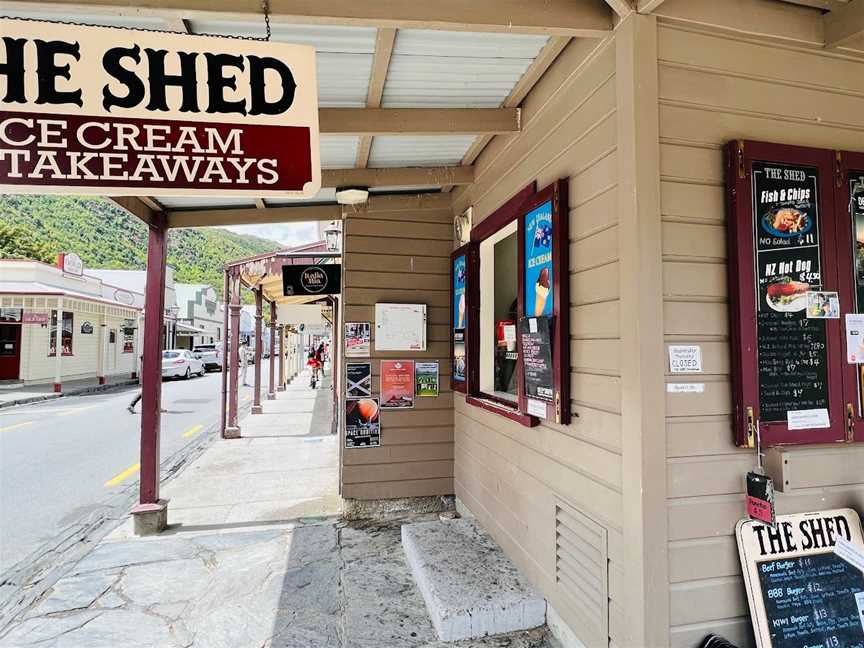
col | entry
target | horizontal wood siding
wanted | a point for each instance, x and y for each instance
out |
(398, 250)
(510, 476)
(716, 86)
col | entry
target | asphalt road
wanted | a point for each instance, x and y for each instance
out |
(60, 459)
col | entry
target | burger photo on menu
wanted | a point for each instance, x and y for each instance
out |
(786, 295)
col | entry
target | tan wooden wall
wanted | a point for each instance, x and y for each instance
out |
(512, 477)
(716, 86)
(397, 249)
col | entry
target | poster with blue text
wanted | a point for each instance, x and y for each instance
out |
(538, 261)
(459, 292)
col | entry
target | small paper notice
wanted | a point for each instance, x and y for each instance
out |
(685, 388)
(823, 305)
(851, 553)
(532, 325)
(509, 332)
(536, 408)
(854, 338)
(685, 358)
(808, 419)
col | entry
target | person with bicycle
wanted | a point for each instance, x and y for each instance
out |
(314, 365)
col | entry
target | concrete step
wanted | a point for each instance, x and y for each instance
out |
(471, 588)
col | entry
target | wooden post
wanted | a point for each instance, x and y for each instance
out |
(282, 350)
(151, 513)
(223, 339)
(259, 316)
(271, 391)
(232, 430)
(58, 348)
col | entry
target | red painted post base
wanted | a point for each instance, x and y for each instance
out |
(102, 380)
(256, 409)
(150, 519)
(231, 433)
(57, 388)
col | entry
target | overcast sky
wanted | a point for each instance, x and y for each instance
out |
(288, 234)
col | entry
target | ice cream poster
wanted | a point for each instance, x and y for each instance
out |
(459, 292)
(538, 261)
(397, 384)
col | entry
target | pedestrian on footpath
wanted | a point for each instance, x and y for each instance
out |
(243, 355)
(138, 396)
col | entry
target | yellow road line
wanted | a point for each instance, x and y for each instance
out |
(193, 431)
(131, 470)
(15, 426)
(75, 411)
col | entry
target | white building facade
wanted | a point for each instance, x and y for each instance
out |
(200, 314)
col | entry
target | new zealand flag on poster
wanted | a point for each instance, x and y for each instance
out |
(538, 261)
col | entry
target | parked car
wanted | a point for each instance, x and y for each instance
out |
(210, 355)
(180, 363)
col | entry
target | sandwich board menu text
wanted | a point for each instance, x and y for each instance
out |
(801, 593)
(792, 350)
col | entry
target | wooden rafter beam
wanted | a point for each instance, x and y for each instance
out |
(398, 177)
(418, 121)
(621, 7)
(140, 207)
(647, 6)
(251, 216)
(844, 24)
(577, 18)
(384, 42)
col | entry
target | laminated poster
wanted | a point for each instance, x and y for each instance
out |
(426, 379)
(362, 424)
(358, 336)
(539, 281)
(397, 384)
(358, 379)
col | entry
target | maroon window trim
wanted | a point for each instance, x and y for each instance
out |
(501, 217)
(848, 164)
(740, 157)
(557, 194)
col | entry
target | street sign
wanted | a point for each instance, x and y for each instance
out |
(109, 111)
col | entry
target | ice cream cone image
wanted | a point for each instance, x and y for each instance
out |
(461, 320)
(541, 292)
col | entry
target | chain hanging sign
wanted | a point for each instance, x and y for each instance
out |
(111, 111)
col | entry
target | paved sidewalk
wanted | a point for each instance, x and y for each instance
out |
(35, 393)
(256, 556)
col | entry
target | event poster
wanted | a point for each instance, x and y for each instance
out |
(397, 384)
(538, 261)
(358, 338)
(358, 380)
(426, 379)
(362, 424)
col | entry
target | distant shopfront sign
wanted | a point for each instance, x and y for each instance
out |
(35, 317)
(112, 111)
(71, 263)
(325, 279)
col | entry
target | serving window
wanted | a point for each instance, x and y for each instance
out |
(793, 261)
(515, 340)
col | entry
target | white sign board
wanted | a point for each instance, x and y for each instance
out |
(800, 592)
(400, 327)
(308, 314)
(685, 358)
(108, 111)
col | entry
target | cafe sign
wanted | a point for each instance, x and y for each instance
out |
(111, 111)
(325, 279)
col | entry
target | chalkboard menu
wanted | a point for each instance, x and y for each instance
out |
(535, 333)
(801, 594)
(810, 599)
(856, 211)
(792, 350)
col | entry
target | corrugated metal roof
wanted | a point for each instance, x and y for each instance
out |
(424, 150)
(456, 69)
(338, 151)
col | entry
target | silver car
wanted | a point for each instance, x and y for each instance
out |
(180, 363)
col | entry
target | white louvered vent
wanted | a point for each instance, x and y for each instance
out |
(582, 568)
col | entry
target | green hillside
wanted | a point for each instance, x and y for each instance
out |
(105, 236)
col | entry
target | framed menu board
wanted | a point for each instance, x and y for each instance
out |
(801, 593)
(783, 254)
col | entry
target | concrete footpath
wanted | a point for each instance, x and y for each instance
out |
(256, 556)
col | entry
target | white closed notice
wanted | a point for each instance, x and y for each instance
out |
(685, 358)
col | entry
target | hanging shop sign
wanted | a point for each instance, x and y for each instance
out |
(801, 593)
(426, 382)
(108, 111)
(397, 384)
(358, 336)
(69, 262)
(324, 279)
(35, 317)
(87, 328)
(358, 380)
(538, 261)
(362, 425)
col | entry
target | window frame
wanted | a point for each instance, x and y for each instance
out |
(54, 327)
(740, 156)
